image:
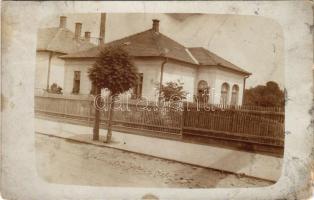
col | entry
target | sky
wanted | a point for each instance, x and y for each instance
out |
(253, 43)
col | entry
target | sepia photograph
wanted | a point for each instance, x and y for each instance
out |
(156, 100)
(171, 100)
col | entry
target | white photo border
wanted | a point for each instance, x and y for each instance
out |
(20, 20)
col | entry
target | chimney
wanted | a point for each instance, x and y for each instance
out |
(155, 25)
(87, 35)
(78, 29)
(63, 22)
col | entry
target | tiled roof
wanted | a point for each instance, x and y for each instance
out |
(205, 57)
(150, 43)
(147, 43)
(60, 40)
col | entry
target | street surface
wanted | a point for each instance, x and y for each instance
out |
(68, 162)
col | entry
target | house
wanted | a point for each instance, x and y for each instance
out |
(162, 59)
(53, 43)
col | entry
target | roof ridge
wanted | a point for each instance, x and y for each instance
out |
(54, 37)
(195, 47)
(191, 55)
(127, 37)
(208, 53)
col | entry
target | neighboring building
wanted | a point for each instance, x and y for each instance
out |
(52, 43)
(158, 57)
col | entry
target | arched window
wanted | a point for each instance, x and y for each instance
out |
(202, 91)
(224, 94)
(235, 95)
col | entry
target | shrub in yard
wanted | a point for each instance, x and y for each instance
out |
(172, 91)
(54, 88)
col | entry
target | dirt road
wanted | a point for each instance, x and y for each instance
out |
(67, 162)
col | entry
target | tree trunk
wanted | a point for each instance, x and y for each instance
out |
(97, 117)
(109, 133)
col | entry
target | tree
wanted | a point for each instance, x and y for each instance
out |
(115, 71)
(172, 90)
(265, 95)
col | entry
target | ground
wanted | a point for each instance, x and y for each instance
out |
(67, 162)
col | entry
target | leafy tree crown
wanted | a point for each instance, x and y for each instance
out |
(113, 70)
(265, 95)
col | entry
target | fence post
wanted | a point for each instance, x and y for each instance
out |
(89, 112)
(182, 121)
(65, 107)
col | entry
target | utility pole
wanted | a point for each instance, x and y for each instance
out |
(49, 69)
(102, 30)
(161, 77)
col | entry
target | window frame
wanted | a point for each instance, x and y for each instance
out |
(224, 93)
(76, 79)
(235, 95)
(137, 90)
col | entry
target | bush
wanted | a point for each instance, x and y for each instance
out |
(172, 91)
(54, 88)
(265, 95)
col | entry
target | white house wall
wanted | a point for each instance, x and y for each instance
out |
(231, 78)
(56, 70)
(151, 75)
(149, 68)
(77, 65)
(42, 60)
(189, 74)
(186, 73)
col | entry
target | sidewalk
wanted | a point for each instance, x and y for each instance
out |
(250, 164)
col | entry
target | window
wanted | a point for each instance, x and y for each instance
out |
(235, 95)
(76, 82)
(137, 89)
(224, 94)
(202, 92)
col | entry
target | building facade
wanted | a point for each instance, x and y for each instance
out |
(204, 74)
(51, 44)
